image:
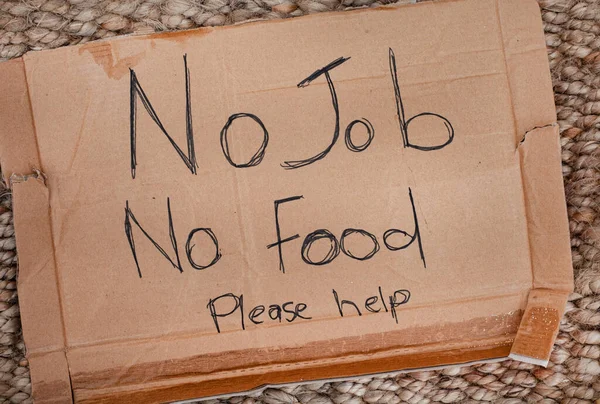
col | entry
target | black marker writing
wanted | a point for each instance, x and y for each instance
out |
(233, 303)
(135, 90)
(256, 312)
(395, 303)
(335, 246)
(404, 123)
(370, 134)
(336, 132)
(129, 217)
(260, 153)
(341, 304)
(189, 246)
(375, 304)
(415, 236)
(279, 241)
(238, 304)
(275, 312)
(299, 308)
(364, 233)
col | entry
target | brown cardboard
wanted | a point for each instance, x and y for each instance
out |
(477, 187)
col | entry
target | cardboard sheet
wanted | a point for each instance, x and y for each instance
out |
(205, 212)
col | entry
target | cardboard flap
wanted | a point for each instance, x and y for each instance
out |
(549, 245)
(18, 145)
(543, 192)
(39, 295)
(37, 279)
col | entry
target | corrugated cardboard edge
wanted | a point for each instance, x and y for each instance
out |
(539, 153)
(37, 282)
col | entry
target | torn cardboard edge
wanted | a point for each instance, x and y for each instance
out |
(539, 153)
(17, 178)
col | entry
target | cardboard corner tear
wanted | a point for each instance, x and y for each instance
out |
(539, 326)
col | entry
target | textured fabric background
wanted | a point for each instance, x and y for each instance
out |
(573, 38)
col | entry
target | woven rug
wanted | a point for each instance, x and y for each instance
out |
(573, 38)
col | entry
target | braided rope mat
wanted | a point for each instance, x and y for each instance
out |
(573, 38)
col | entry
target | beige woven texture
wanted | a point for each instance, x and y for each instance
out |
(573, 38)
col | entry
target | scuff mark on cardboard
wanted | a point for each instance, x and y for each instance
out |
(113, 66)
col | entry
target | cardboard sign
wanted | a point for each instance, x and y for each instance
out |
(206, 212)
